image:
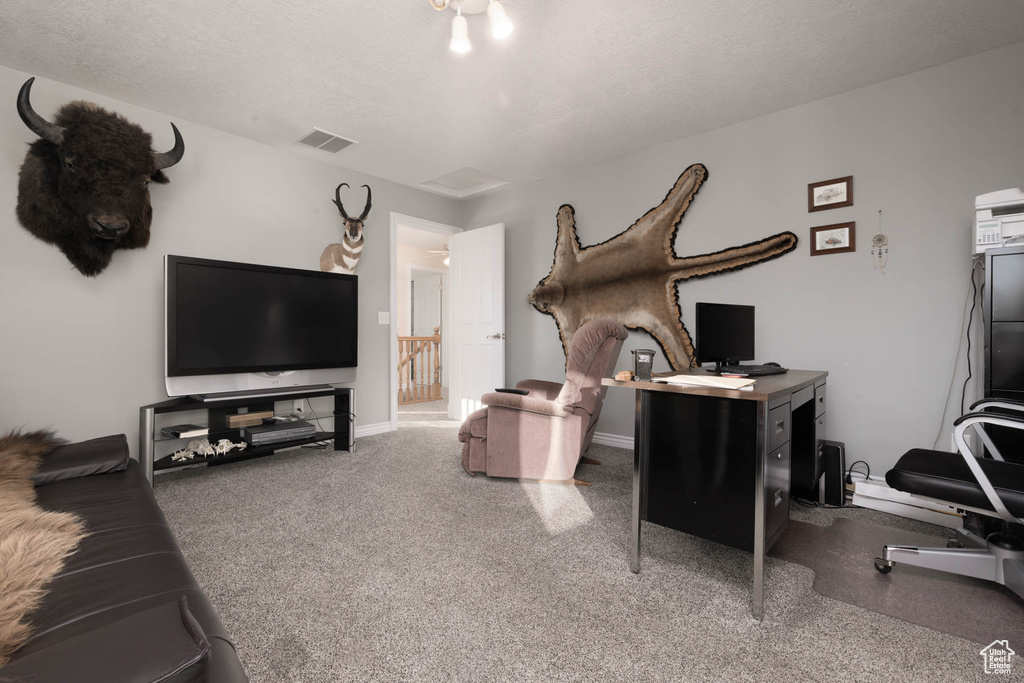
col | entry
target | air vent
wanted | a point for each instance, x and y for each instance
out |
(463, 183)
(328, 142)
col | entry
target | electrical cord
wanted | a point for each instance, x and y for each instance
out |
(849, 480)
(956, 362)
(315, 417)
(351, 420)
(970, 321)
(849, 471)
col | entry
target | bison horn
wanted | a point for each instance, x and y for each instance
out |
(168, 159)
(337, 200)
(366, 211)
(36, 123)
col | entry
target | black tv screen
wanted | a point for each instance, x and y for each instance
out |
(725, 332)
(225, 317)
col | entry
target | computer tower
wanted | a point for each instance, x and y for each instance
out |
(833, 487)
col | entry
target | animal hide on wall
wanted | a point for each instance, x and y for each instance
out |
(84, 185)
(631, 278)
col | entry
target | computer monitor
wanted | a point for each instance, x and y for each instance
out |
(725, 333)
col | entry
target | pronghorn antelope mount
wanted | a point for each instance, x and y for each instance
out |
(343, 258)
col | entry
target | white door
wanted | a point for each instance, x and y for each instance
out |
(477, 273)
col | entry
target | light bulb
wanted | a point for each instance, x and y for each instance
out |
(460, 34)
(447, 261)
(501, 25)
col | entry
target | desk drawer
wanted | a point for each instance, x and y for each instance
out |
(776, 492)
(778, 426)
(819, 400)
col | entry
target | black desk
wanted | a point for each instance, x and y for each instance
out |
(717, 463)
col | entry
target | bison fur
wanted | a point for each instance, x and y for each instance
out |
(84, 185)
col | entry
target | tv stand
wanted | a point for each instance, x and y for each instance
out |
(257, 393)
(223, 406)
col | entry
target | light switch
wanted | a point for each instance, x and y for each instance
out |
(383, 318)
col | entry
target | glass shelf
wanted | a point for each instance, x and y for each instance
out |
(166, 463)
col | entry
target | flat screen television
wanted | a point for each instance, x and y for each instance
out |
(725, 333)
(243, 327)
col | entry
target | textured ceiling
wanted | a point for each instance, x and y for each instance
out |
(578, 82)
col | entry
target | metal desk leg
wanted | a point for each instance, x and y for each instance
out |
(147, 427)
(757, 595)
(351, 421)
(639, 455)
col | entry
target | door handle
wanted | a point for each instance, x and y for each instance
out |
(496, 335)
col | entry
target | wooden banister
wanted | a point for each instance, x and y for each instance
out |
(419, 368)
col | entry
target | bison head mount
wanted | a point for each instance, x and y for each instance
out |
(84, 185)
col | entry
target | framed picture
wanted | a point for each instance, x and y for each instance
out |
(830, 194)
(833, 239)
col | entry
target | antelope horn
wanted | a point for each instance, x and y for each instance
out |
(366, 211)
(36, 123)
(337, 200)
(168, 159)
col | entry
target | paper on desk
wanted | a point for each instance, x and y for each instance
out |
(710, 381)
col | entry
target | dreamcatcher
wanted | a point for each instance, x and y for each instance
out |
(879, 248)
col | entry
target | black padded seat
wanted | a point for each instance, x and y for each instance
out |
(946, 476)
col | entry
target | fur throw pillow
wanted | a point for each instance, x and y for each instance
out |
(33, 542)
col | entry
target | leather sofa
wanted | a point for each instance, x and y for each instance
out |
(125, 606)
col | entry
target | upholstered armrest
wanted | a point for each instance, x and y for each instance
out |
(163, 643)
(960, 426)
(527, 403)
(82, 459)
(1007, 403)
(540, 388)
(978, 421)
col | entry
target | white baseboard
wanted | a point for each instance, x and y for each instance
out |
(370, 430)
(613, 440)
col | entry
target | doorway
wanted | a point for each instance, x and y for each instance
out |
(419, 319)
(421, 345)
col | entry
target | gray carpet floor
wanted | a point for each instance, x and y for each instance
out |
(392, 564)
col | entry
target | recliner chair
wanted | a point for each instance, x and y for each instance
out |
(541, 430)
(988, 486)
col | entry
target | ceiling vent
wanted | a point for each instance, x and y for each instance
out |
(466, 182)
(321, 139)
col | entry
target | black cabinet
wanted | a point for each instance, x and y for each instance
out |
(1004, 336)
(217, 420)
(1004, 322)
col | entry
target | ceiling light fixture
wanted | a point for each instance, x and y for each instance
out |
(501, 25)
(460, 34)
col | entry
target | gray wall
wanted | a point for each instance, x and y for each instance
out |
(80, 355)
(919, 147)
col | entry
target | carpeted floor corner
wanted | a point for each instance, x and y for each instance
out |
(392, 564)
